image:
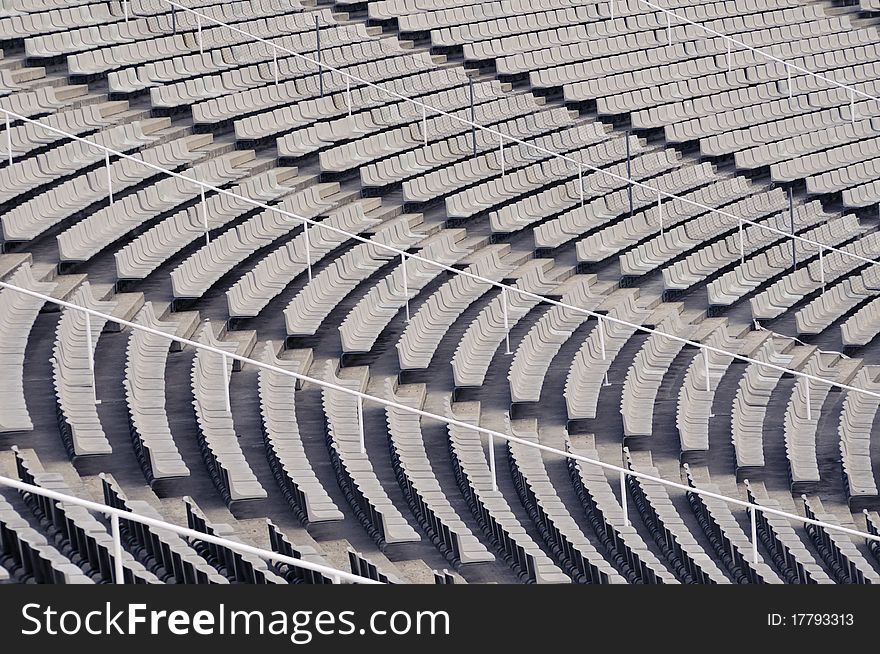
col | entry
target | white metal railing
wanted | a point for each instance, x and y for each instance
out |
(578, 164)
(491, 434)
(115, 515)
(404, 256)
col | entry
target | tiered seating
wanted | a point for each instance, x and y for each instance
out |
(73, 375)
(377, 308)
(855, 432)
(688, 560)
(537, 349)
(645, 375)
(419, 484)
(287, 457)
(205, 267)
(803, 413)
(362, 566)
(163, 552)
(18, 312)
(426, 329)
(840, 554)
(236, 566)
(144, 381)
(354, 471)
(590, 365)
(727, 537)
(863, 326)
(561, 533)
(293, 574)
(28, 557)
(625, 546)
(226, 463)
(486, 332)
(489, 506)
(787, 552)
(76, 533)
(834, 303)
(752, 397)
(311, 306)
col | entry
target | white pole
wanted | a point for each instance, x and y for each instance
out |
(706, 363)
(581, 183)
(822, 268)
(199, 31)
(308, 248)
(119, 576)
(226, 383)
(8, 139)
(754, 535)
(405, 284)
(425, 125)
(729, 67)
(492, 462)
(109, 177)
(501, 152)
(275, 63)
(623, 503)
(611, 7)
(852, 107)
(601, 329)
(807, 390)
(125, 9)
(669, 29)
(660, 211)
(788, 83)
(742, 245)
(360, 408)
(506, 321)
(348, 94)
(204, 210)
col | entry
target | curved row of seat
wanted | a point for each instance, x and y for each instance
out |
(855, 431)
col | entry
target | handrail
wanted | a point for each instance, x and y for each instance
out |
(490, 433)
(404, 255)
(502, 137)
(116, 514)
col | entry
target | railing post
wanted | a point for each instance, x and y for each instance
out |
(8, 138)
(660, 211)
(425, 125)
(807, 398)
(199, 32)
(125, 9)
(204, 211)
(822, 267)
(119, 570)
(320, 67)
(501, 152)
(754, 535)
(629, 184)
(226, 383)
(623, 503)
(852, 106)
(174, 20)
(348, 94)
(405, 284)
(90, 356)
(668, 29)
(308, 248)
(742, 244)
(788, 82)
(109, 176)
(601, 327)
(611, 7)
(506, 321)
(791, 226)
(492, 462)
(275, 63)
(581, 183)
(706, 364)
(729, 66)
(360, 409)
(473, 118)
